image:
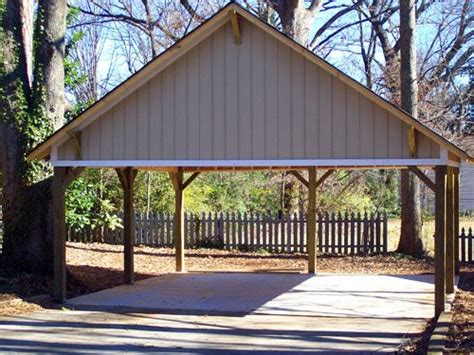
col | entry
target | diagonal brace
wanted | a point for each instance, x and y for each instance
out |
(415, 170)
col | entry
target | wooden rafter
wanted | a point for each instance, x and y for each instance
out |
(423, 177)
(234, 19)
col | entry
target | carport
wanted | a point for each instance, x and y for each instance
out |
(237, 95)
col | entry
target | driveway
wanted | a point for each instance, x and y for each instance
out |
(233, 312)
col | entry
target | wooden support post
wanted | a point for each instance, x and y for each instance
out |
(311, 221)
(59, 234)
(177, 180)
(440, 239)
(127, 179)
(62, 178)
(449, 231)
(456, 219)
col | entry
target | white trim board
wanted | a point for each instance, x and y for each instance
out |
(381, 163)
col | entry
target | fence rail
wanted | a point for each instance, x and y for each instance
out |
(344, 234)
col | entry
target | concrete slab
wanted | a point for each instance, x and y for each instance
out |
(259, 313)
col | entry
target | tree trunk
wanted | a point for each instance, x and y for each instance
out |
(49, 59)
(410, 233)
(27, 243)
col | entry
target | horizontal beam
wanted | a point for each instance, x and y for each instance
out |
(285, 164)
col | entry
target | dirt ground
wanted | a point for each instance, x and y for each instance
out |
(92, 267)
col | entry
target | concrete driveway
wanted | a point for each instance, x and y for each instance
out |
(232, 312)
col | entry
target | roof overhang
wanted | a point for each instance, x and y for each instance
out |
(181, 47)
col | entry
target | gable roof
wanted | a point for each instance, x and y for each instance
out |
(188, 42)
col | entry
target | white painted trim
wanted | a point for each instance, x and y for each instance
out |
(250, 163)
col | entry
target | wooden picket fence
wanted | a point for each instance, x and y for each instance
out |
(466, 241)
(342, 234)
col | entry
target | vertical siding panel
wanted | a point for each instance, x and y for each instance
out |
(219, 95)
(232, 98)
(168, 113)
(380, 133)
(193, 104)
(93, 133)
(155, 118)
(143, 122)
(325, 114)
(271, 97)
(353, 124)
(131, 126)
(423, 146)
(106, 137)
(258, 93)
(434, 150)
(297, 118)
(205, 124)
(311, 138)
(245, 93)
(284, 101)
(338, 119)
(118, 129)
(181, 108)
(394, 138)
(366, 127)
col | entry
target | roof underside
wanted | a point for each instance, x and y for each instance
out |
(210, 102)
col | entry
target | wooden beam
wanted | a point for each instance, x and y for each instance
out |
(234, 19)
(177, 180)
(299, 177)
(440, 239)
(428, 182)
(456, 218)
(311, 220)
(449, 232)
(127, 179)
(411, 132)
(61, 179)
(323, 178)
(190, 179)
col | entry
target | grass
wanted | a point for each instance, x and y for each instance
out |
(427, 232)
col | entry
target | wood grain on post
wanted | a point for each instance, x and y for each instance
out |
(178, 230)
(311, 218)
(456, 219)
(449, 231)
(59, 234)
(440, 239)
(127, 179)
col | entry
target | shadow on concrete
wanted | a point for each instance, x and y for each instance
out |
(200, 337)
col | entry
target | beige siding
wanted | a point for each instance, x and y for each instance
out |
(258, 100)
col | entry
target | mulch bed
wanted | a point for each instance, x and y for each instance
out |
(461, 333)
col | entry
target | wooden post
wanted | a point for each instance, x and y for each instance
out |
(311, 220)
(62, 178)
(456, 219)
(127, 178)
(177, 180)
(440, 239)
(449, 231)
(59, 234)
